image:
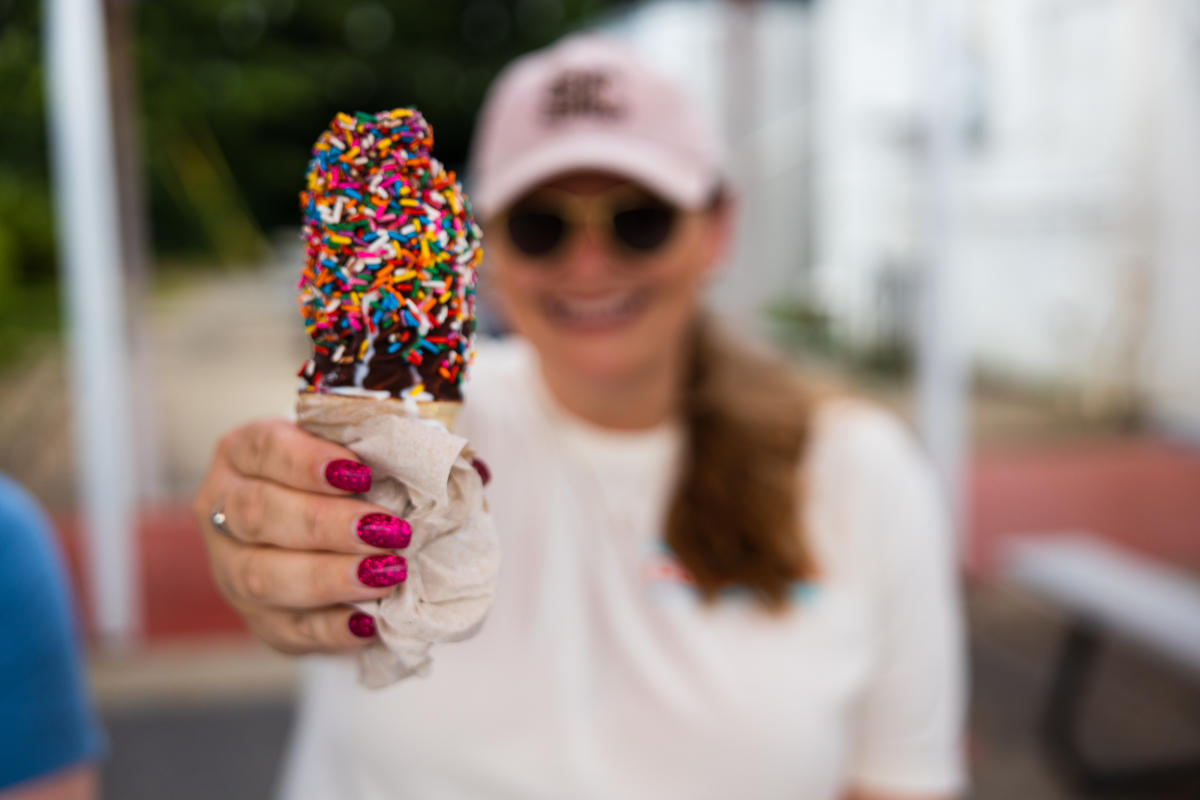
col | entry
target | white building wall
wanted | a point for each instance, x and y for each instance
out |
(1047, 236)
(1078, 214)
(1040, 188)
(867, 117)
(1170, 368)
(1078, 221)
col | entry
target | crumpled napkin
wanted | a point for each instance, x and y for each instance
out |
(422, 473)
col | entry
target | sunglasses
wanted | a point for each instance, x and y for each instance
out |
(637, 223)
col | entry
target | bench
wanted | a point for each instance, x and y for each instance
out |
(1107, 592)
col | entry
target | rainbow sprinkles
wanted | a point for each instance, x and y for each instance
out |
(391, 253)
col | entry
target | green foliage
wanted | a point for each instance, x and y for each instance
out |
(806, 329)
(231, 94)
(235, 92)
(29, 315)
(26, 233)
(800, 324)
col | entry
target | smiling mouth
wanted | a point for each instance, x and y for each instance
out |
(593, 314)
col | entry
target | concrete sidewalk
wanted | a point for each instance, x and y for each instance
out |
(202, 718)
(209, 718)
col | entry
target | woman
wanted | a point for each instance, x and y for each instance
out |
(715, 583)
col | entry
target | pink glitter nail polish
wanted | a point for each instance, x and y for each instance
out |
(362, 625)
(384, 530)
(482, 469)
(380, 571)
(348, 475)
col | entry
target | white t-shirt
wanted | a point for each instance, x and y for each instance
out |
(599, 673)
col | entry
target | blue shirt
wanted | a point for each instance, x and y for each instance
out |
(46, 719)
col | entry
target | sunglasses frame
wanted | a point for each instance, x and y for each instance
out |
(597, 211)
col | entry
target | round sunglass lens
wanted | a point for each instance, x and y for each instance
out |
(535, 232)
(644, 228)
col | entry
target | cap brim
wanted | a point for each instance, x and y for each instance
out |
(662, 172)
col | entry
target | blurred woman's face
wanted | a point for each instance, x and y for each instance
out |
(600, 276)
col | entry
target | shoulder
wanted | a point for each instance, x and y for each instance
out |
(852, 433)
(26, 547)
(873, 485)
(17, 506)
(41, 683)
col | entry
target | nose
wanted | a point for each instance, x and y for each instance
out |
(588, 254)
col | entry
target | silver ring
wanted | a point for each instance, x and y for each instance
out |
(218, 520)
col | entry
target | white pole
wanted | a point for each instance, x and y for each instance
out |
(85, 199)
(740, 19)
(942, 382)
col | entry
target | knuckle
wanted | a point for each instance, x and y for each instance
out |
(232, 441)
(275, 450)
(254, 581)
(307, 629)
(311, 523)
(260, 442)
(225, 445)
(286, 459)
(247, 509)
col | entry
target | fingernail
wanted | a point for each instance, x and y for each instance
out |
(384, 530)
(482, 469)
(380, 571)
(362, 625)
(348, 475)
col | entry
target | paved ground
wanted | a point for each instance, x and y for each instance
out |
(1138, 710)
(223, 751)
(175, 714)
(225, 348)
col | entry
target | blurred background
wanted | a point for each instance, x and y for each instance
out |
(984, 213)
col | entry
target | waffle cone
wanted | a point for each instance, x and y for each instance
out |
(349, 408)
(444, 411)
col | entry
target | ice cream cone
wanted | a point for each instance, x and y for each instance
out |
(347, 410)
(387, 294)
(443, 411)
(391, 256)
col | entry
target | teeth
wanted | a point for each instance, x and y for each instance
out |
(595, 310)
(595, 306)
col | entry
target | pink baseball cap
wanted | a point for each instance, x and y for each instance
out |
(589, 102)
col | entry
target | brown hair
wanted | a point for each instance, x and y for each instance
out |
(735, 519)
